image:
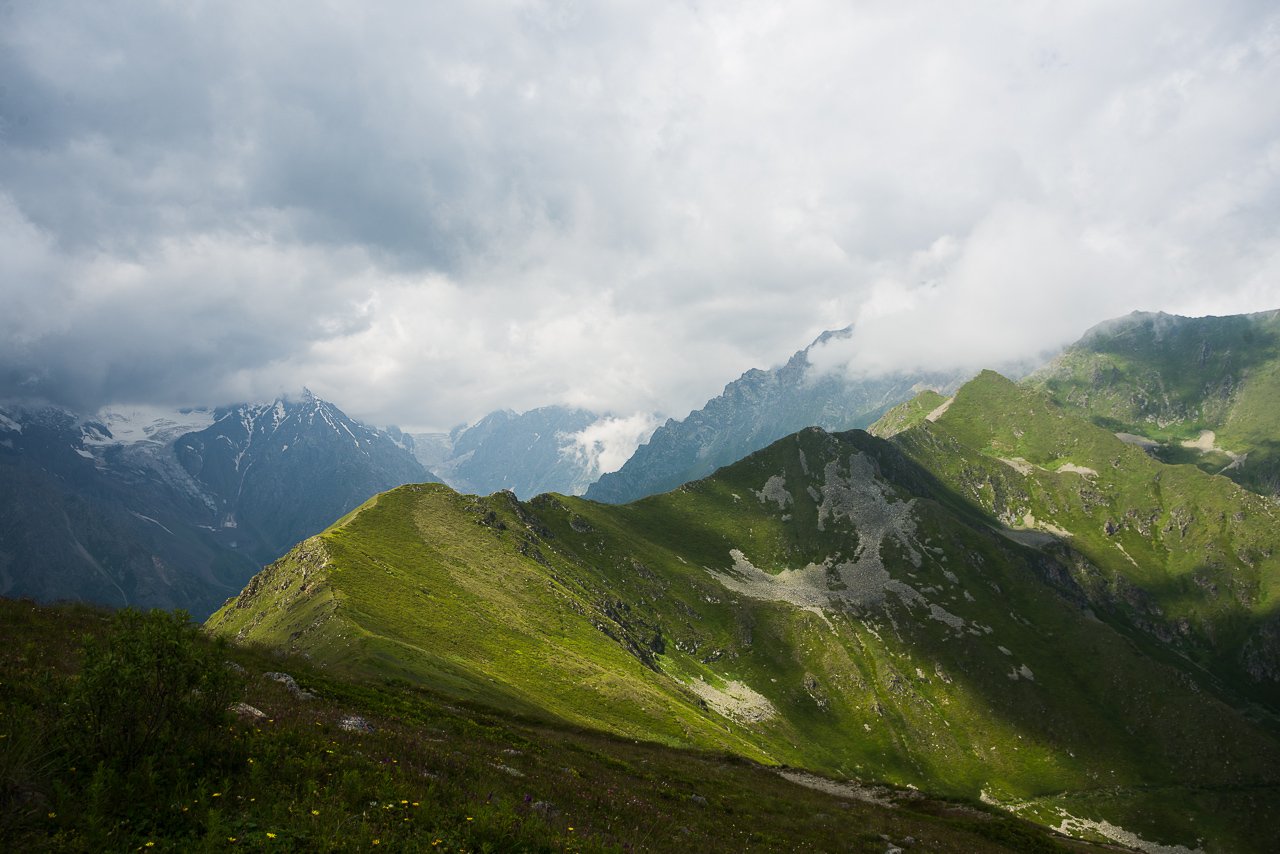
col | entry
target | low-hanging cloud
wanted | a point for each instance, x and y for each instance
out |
(428, 212)
(608, 443)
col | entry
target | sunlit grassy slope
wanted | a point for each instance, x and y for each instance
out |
(826, 603)
(1188, 560)
(1169, 378)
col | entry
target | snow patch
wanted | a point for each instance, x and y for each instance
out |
(1138, 441)
(1018, 464)
(7, 423)
(135, 424)
(1021, 672)
(1075, 469)
(848, 789)
(153, 522)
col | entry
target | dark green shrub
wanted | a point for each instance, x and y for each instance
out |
(152, 691)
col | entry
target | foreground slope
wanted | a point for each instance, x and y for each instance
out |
(826, 603)
(347, 766)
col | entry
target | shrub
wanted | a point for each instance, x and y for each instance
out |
(152, 690)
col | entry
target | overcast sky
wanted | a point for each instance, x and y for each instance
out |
(426, 211)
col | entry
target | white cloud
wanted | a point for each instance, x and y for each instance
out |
(610, 442)
(428, 212)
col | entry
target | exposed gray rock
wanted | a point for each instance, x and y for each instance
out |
(247, 712)
(355, 723)
(290, 684)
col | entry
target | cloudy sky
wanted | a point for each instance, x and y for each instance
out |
(426, 211)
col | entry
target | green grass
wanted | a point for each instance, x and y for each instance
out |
(907, 415)
(435, 775)
(1189, 558)
(1168, 378)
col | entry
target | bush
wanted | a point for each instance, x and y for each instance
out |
(152, 691)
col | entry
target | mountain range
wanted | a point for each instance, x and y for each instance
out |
(754, 410)
(528, 453)
(177, 509)
(1027, 593)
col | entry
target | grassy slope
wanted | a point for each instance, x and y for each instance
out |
(907, 414)
(605, 616)
(1189, 558)
(433, 776)
(1168, 378)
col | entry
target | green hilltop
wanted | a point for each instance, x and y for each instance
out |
(1163, 381)
(913, 611)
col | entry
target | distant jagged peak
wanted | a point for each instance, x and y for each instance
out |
(831, 335)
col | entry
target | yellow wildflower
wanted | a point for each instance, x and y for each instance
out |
(270, 835)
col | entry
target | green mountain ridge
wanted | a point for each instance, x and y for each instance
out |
(1191, 560)
(1169, 379)
(836, 602)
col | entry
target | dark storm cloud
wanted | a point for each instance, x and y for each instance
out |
(426, 211)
